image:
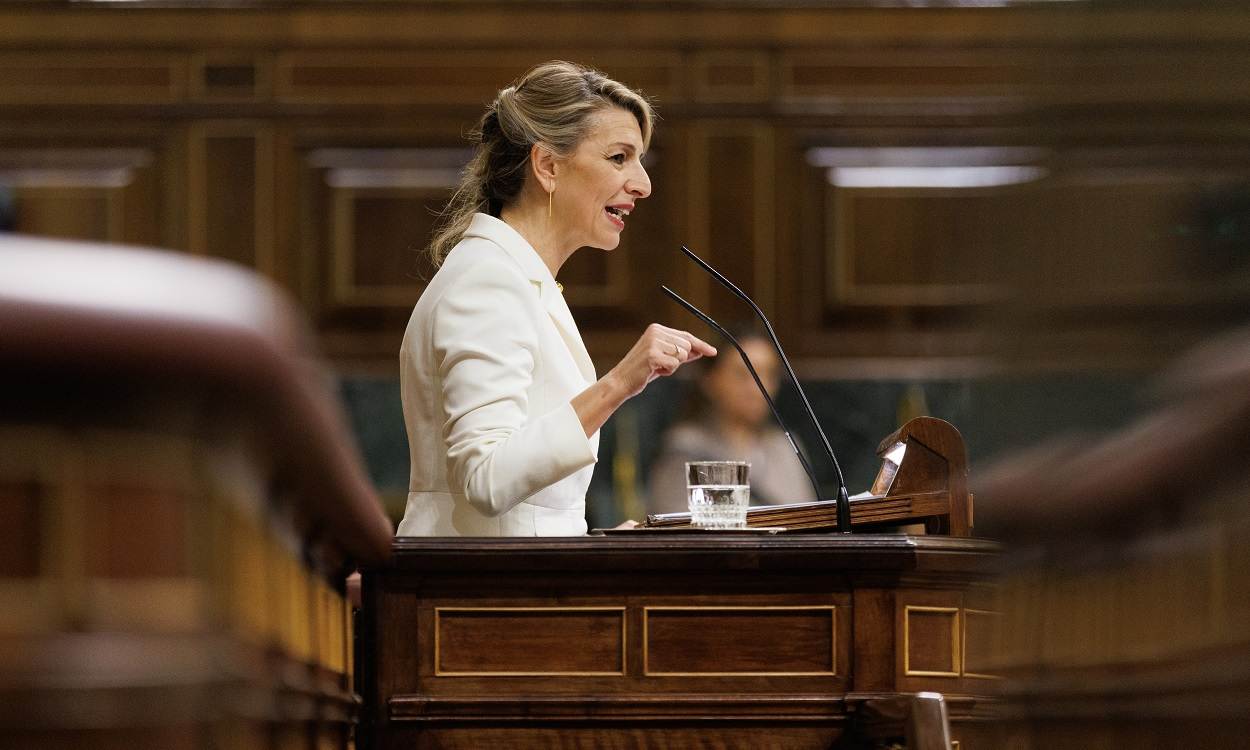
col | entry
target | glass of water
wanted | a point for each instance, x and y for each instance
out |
(719, 492)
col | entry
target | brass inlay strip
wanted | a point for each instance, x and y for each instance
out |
(438, 660)
(956, 655)
(833, 639)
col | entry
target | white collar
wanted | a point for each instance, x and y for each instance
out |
(498, 231)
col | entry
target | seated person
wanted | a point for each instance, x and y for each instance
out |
(726, 418)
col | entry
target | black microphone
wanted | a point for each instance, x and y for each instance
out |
(843, 500)
(807, 467)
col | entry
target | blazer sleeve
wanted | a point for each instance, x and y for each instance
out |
(485, 336)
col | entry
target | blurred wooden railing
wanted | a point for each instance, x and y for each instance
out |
(179, 505)
(1125, 616)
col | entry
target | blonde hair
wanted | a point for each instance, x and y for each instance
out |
(552, 105)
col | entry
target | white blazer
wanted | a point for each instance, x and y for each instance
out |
(490, 361)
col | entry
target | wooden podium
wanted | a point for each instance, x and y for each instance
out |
(671, 638)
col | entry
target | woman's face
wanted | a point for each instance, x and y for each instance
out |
(601, 181)
(732, 390)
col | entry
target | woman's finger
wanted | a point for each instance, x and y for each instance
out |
(692, 347)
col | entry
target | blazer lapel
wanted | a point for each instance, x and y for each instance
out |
(558, 309)
(498, 231)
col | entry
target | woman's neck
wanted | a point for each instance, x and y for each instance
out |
(531, 222)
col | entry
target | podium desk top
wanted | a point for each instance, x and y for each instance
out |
(811, 553)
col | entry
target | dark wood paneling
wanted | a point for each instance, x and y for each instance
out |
(380, 235)
(21, 516)
(744, 94)
(232, 195)
(866, 75)
(902, 248)
(107, 76)
(535, 641)
(580, 738)
(722, 635)
(982, 638)
(67, 213)
(366, 218)
(875, 639)
(164, 738)
(227, 76)
(76, 192)
(732, 220)
(448, 77)
(732, 76)
(710, 640)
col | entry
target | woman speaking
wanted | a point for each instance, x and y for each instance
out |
(500, 398)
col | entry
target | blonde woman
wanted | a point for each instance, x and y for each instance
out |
(501, 401)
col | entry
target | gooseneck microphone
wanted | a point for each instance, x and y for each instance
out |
(807, 467)
(843, 500)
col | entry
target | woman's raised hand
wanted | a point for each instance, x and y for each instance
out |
(659, 351)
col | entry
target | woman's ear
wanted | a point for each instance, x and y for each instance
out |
(543, 164)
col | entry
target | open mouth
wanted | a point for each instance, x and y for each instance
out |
(616, 215)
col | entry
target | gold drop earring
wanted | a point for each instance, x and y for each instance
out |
(549, 195)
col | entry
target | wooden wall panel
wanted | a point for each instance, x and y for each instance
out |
(106, 76)
(732, 76)
(68, 212)
(231, 76)
(892, 75)
(93, 193)
(368, 203)
(732, 217)
(924, 246)
(232, 181)
(229, 107)
(456, 77)
(375, 211)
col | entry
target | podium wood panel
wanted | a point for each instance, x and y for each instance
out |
(673, 640)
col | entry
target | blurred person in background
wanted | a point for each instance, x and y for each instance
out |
(725, 417)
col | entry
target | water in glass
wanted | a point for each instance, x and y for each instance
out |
(719, 506)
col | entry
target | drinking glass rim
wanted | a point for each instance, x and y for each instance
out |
(722, 463)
